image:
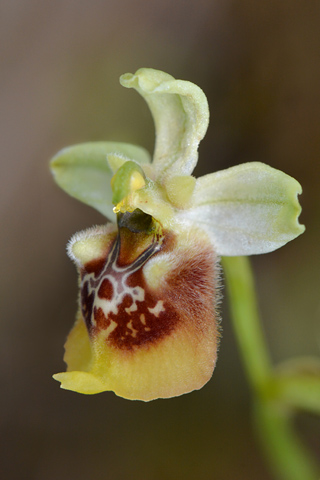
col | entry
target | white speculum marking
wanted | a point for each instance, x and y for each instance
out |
(157, 309)
(110, 328)
(118, 276)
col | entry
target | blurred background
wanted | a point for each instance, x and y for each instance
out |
(258, 63)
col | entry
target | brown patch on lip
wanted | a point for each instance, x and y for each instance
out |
(87, 301)
(95, 266)
(100, 318)
(106, 290)
(136, 322)
(192, 283)
(187, 294)
(141, 327)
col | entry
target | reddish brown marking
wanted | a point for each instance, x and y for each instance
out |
(100, 318)
(192, 283)
(187, 293)
(130, 331)
(86, 304)
(95, 266)
(141, 333)
(106, 290)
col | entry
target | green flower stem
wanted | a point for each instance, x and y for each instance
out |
(244, 310)
(288, 458)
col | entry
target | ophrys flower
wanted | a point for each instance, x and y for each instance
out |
(147, 325)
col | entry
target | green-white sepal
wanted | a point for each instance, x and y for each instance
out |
(248, 209)
(181, 115)
(84, 173)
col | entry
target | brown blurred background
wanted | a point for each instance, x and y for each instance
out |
(258, 63)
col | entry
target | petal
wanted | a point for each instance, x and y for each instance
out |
(247, 209)
(180, 190)
(181, 115)
(147, 326)
(83, 171)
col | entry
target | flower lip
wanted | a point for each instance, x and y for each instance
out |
(151, 327)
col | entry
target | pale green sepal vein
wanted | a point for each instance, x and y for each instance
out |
(181, 115)
(83, 171)
(248, 209)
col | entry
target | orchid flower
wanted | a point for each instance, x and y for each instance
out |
(147, 325)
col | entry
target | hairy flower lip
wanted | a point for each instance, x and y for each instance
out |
(190, 345)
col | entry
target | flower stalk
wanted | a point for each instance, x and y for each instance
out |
(288, 457)
(246, 324)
